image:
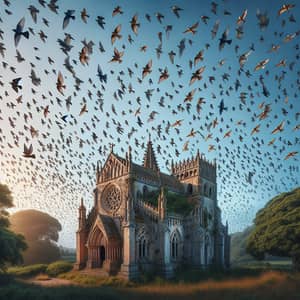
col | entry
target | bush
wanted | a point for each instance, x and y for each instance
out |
(59, 267)
(27, 271)
(178, 204)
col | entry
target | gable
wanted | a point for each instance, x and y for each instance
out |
(114, 167)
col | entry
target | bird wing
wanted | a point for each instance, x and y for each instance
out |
(66, 21)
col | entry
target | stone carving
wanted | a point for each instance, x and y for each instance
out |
(112, 199)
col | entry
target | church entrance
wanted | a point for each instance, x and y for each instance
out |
(102, 255)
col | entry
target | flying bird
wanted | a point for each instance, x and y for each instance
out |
(284, 8)
(242, 17)
(69, 14)
(60, 83)
(261, 64)
(117, 57)
(134, 24)
(19, 32)
(192, 29)
(224, 40)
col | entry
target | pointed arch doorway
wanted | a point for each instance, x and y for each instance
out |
(97, 246)
(104, 245)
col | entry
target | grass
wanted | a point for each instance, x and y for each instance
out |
(255, 283)
(27, 271)
(268, 285)
(53, 269)
(91, 280)
(58, 268)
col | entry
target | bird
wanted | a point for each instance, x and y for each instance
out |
(84, 15)
(176, 10)
(19, 32)
(291, 154)
(147, 69)
(278, 128)
(255, 129)
(192, 29)
(199, 57)
(243, 58)
(197, 75)
(60, 83)
(223, 40)
(134, 24)
(117, 57)
(34, 79)
(262, 64)
(33, 12)
(84, 56)
(222, 107)
(116, 34)
(15, 84)
(101, 75)
(117, 10)
(163, 75)
(69, 14)
(242, 17)
(284, 8)
(83, 110)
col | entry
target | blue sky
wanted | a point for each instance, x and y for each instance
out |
(63, 171)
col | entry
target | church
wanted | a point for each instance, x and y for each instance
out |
(144, 220)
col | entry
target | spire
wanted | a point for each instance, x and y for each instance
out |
(81, 204)
(149, 158)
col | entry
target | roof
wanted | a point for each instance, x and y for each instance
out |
(109, 227)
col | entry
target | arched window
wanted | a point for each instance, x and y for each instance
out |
(190, 189)
(143, 247)
(175, 241)
(210, 192)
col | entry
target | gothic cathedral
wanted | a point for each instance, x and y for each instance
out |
(146, 220)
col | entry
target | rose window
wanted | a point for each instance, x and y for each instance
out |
(112, 199)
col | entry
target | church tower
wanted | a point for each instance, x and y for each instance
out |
(81, 253)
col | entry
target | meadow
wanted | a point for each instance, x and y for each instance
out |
(267, 282)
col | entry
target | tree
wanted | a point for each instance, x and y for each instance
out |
(277, 229)
(41, 232)
(11, 244)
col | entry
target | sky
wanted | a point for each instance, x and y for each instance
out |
(67, 149)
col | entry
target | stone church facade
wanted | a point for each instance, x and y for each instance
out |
(145, 220)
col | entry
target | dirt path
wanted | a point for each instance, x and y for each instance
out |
(48, 283)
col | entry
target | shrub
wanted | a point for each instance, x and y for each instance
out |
(59, 267)
(178, 203)
(27, 271)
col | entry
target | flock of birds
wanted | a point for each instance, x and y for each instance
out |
(64, 127)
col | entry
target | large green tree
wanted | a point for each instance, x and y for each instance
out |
(11, 244)
(277, 229)
(41, 232)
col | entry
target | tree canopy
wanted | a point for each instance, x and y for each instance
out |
(41, 232)
(11, 244)
(277, 228)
